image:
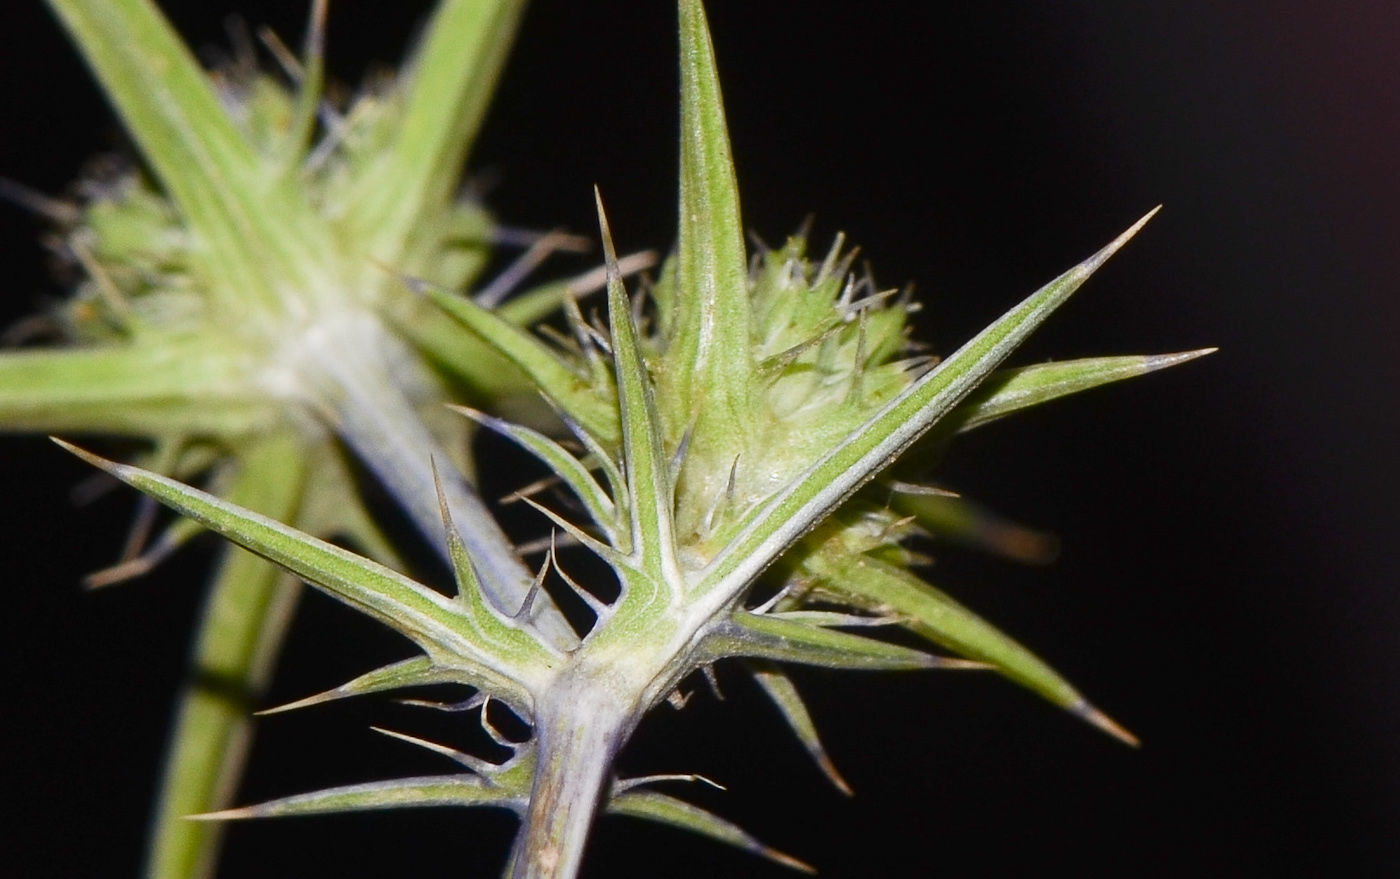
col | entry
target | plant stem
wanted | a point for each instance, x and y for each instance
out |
(586, 716)
(242, 628)
(579, 729)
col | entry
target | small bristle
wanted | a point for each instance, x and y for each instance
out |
(55, 210)
(510, 279)
(316, 29)
(471, 702)
(132, 568)
(475, 764)
(281, 53)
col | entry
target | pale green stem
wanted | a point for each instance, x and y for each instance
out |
(579, 729)
(212, 733)
(245, 618)
(586, 716)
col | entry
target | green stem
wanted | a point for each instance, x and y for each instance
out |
(245, 618)
(579, 731)
(585, 717)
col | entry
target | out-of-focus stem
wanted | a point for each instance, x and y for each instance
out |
(245, 617)
(358, 385)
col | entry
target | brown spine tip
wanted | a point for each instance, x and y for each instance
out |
(1096, 717)
(307, 702)
(958, 664)
(828, 768)
(783, 858)
(1162, 361)
(226, 815)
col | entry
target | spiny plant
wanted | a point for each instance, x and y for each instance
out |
(742, 438)
(285, 278)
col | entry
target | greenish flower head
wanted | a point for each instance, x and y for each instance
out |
(245, 284)
(825, 352)
(154, 280)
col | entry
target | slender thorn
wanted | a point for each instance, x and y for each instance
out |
(1089, 713)
(599, 607)
(515, 236)
(542, 544)
(1162, 361)
(778, 596)
(110, 292)
(419, 286)
(490, 729)
(494, 293)
(869, 302)
(854, 392)
(891, 528)
(622, 785)
(599, 548)
(534, 488)
(951, 664)
(733, 479)
(132, 568)
(284, 56)
(678, 459)
(900, 487)
(467, 704)
(598, 331)
(573, 315)
(528, 605)
(596, 279)
(57, 211)
(316, 30)
(708, 670)
(828, 266)
(609, 253)
(804, 229)
(141, 526)
(475, 764)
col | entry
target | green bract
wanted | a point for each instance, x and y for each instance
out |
(740, 433)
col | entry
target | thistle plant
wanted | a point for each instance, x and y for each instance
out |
(740, 442)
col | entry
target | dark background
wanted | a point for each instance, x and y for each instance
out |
(1228, 583)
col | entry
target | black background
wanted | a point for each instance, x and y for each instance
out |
(1228, 584)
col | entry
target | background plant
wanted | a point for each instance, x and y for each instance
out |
(232, 315)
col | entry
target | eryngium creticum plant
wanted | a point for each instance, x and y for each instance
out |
(235, 314)
(741, 431)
